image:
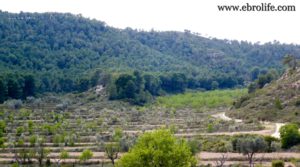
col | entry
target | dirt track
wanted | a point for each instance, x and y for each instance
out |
(270, 128)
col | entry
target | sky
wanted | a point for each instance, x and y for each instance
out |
(201, 16)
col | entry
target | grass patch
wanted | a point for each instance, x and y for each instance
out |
(196, 100)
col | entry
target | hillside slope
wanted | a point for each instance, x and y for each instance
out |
(277, 101)
(64, 41)
(60, 49)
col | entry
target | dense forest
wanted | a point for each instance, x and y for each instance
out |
(53, 52)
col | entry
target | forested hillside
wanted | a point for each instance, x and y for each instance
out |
(62, 52)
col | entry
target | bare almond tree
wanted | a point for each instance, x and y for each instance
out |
(220, 162)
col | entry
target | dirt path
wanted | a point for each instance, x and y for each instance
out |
(203, 157)
(276, 133)
(270, 128)
(225, 118)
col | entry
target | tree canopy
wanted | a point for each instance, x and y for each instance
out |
(159, 148)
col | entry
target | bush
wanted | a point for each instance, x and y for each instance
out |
(30, 126)
(290, 135)
(163, 148)
(270, 140)
(2, 128)
(240, 101)
(278, 104)
(20, 130)
(86, 155)
(33, 140)
(58, 139)
(2, 141)
(195, 146)
(277, 163)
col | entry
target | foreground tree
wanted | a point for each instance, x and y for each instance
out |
(159, 148)
(251, 146)
(289, 135)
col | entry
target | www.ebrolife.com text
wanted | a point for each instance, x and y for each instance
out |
(263, 7)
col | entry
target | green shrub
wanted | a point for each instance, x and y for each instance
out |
(2, 141)
(194, 145)
(210, 128)
(277, 163)
(240, 101)
(30, 126)
(20, 143)
(278, 104)
(15, 165)
(2, 128)
(86, 155)
(163, 148)
(33, 140)
(58, 139)
(290, 135)
(20, 130)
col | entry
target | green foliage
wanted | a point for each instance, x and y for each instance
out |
(140, 89)
(130, 87)
(214, 85)
(210, 128)
(112, 150)
(19, 130)
(255, 73)
(32, 140)
(197, 100)
(277, 163)
(252, 87)
(278, 104)
(194, 145)
(251, 145)
(2, 128)
(50, 129)
(117, 135)
(2, 142)
(291, 61)
(40, 152)
(275, 102)
(58, 139)
(83, 84)
(16, 86)
(289, 135)
(86, 155)
(30, 126)
(269, 140)
(15, 165)
(73, 56)
(262, 79)
(239, 102)
(158, 148)
(64, 155)
(3, 90)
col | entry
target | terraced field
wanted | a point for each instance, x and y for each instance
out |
(75, 123)
(66, 123)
